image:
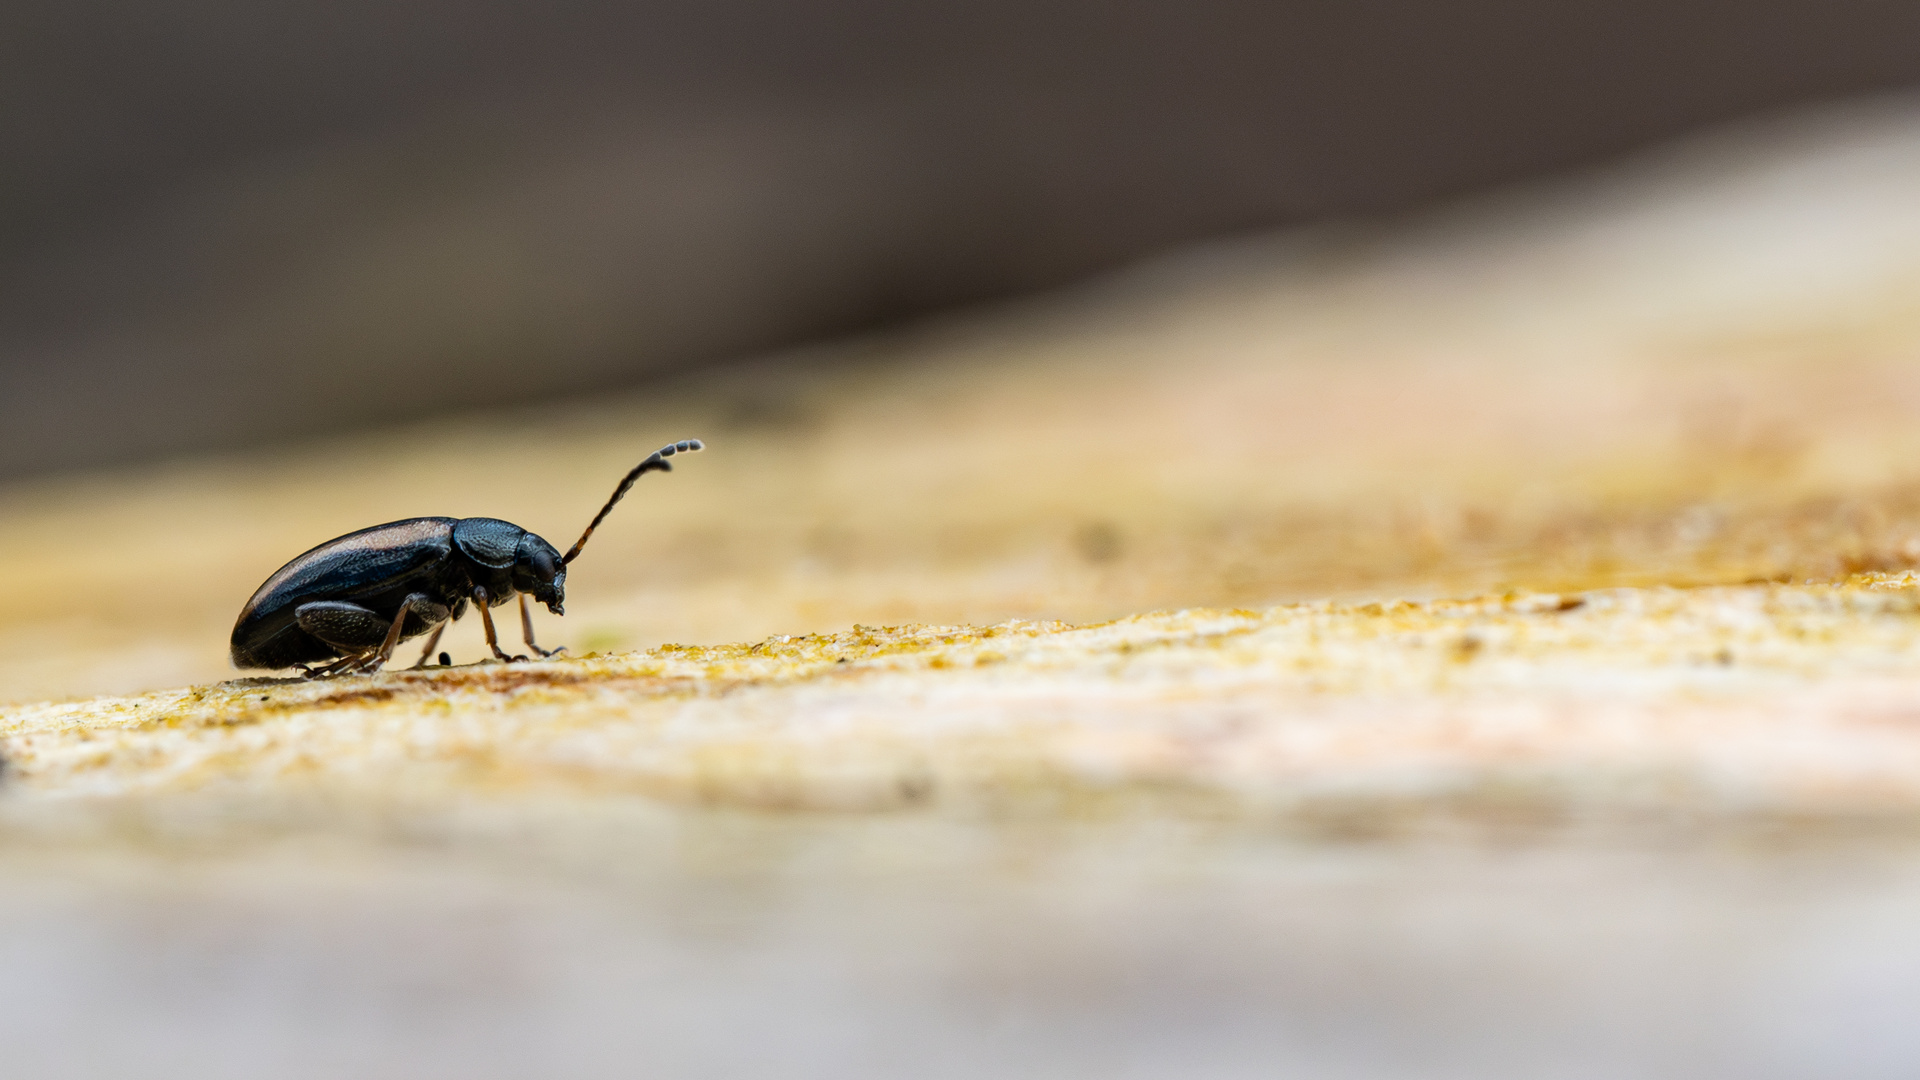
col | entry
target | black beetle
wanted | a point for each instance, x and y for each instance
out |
(347, 603)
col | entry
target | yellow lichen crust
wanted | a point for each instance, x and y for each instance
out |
(1758, 699)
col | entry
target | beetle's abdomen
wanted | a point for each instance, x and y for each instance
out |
(358, 565)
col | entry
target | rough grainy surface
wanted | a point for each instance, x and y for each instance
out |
(1529, 687)
(1760, 700)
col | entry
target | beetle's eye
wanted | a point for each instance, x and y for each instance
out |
(542, 565)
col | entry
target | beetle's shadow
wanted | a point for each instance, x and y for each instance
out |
(253, 681)
(264, 680)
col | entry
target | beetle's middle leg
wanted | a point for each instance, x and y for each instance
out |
(432, 640)
(526, 631)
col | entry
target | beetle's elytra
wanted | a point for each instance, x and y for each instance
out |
(348, 603)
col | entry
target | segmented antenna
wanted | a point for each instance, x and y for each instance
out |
(655, 461)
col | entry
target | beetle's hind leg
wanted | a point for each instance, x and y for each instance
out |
(367, 638)
(526, 631)
(353, 630)
(345, 663)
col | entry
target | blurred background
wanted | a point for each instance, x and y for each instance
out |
(1044, 310)
(223, 225)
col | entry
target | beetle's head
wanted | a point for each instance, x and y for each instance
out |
(538, 572)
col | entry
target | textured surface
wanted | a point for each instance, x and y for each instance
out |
(1763, 701)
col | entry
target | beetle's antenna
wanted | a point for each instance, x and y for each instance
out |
(655, 461)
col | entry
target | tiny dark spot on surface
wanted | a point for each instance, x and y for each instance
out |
(1570, 603)
(1724, 657)
(1467, 648)
(446, 660)
(263, 697)
(840, 660)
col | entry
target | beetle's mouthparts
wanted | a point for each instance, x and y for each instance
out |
(556, 607)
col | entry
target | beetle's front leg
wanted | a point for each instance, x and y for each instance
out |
(486, 621)
(526, 630)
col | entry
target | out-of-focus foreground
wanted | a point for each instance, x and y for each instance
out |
(1642, 808)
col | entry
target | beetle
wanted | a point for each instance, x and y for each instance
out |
(346, 604)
